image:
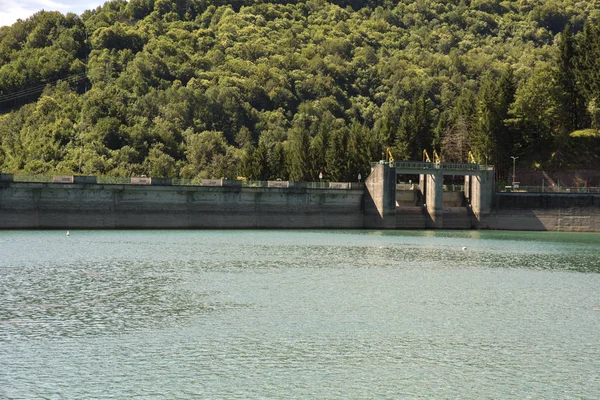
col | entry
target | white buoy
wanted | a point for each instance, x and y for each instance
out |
(464, 248)
(68, 234)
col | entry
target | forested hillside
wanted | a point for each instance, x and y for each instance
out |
(282, 89)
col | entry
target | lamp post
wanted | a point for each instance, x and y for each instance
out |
(514, 165)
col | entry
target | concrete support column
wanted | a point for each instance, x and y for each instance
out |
(482, 192)
(467, 187)
(434, 199)
(380, 198)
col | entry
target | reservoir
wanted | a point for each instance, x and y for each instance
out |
(299, 314)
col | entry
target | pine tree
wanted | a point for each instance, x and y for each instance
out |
(405, 131)
(422, 133)
(336, 156)
(260, 164)
(587, 70)
(572, 102)
(490, 138)
(504, 139)
(277, 167)
(298, 154)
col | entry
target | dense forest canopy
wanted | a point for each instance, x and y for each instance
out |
(282, 89)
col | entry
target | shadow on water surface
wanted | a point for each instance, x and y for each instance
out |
(71, 300)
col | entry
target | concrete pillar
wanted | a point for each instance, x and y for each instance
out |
(380, 198)
(434, 199)
(482, 194)
(467, 187)
(422, 184)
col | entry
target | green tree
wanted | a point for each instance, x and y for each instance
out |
(572, 103)
(158, 164)
(305, 79)
(260, 163)
(490, 138)
(587, 70)
(206, 153)
(337, 156)
(298, 154)
(535, 112)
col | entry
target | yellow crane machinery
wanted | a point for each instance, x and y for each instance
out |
(388, 156)
(426, 156)
(471, 159)
(436, 158)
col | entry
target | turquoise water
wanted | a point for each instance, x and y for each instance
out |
(299, 315)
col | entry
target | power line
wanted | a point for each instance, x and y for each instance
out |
(40, 88)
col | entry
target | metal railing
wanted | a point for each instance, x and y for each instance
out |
(141, 181)
(549, 189)
(423, 165)
(465, 166)
(407, 186)
(111, 180)
(32, 178)
(453, 188)
(414, 165)
(186, 182)
(107, 180)
(415, 187)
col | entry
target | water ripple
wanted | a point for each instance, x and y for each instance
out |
(296, 314)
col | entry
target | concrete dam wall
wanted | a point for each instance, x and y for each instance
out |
(83, 203)
(545, 212)
(93, 206)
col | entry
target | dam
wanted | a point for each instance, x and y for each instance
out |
(83, 202)
(387, 207)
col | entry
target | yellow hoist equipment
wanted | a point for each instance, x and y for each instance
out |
(388, 156)
(471, 159)
(435, 157)
(426, 156)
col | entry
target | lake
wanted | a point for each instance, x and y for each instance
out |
(286, 314)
